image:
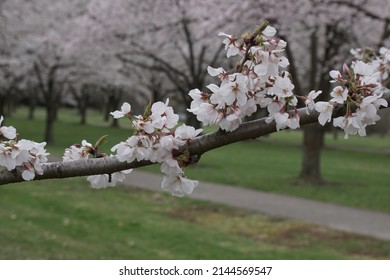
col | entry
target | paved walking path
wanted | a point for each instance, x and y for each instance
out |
(339, 217)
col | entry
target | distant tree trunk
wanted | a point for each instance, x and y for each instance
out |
(49, 128)
(31, 107)
(82, 98)
(313, 135)
(32, 97)
(313, 142)
(83, 114)
(10, 103)
(2, 104)
(5, 102)
(52, 100)
(83, 106)
(155, 89)
(106, 114)
(107, 108)
(57, 105)
(51, 97)
(115, 95)
(116, 104)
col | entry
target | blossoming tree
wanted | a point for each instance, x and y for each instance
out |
(172, 40)
(259, 80)
(320, 34)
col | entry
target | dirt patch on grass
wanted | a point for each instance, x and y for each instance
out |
(282, 232)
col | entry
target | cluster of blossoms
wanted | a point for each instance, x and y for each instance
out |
(155, 137)
(359, 91)
(85, 151)
(259, 80)
(22, 153)
(380, 63)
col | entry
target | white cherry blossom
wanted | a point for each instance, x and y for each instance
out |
(351, 125)
(269, 31)
(281, 120)
(309, 101)
(8, 132)
(339, 95)
(336, 75)
(282, 87)
(7, 156)
(106, 180)
(231, 45)
(198, 98)
(217, 72)
(179, 185)
(326, 110)
(185, 132)
(135, 148)
(163, 115)
(25, 153)
(207, 114)
(145, 125)
(77, 152)
(125, 111)
(363, 69)
(261, 68)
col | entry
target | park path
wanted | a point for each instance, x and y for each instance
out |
(366, 222)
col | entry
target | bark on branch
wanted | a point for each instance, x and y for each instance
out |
(197, 147)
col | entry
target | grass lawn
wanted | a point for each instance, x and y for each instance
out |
(65, 219)
(356, 170)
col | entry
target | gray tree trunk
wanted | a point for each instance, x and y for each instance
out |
(313, 140)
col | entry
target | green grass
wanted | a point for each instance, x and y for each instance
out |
(65, 219)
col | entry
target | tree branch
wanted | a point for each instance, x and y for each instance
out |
(196, 147)
(360, 9)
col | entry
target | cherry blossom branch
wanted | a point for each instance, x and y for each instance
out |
(77, 168)
(259, 82)
(195, 148)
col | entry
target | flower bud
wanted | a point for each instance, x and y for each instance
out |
(346, 70)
